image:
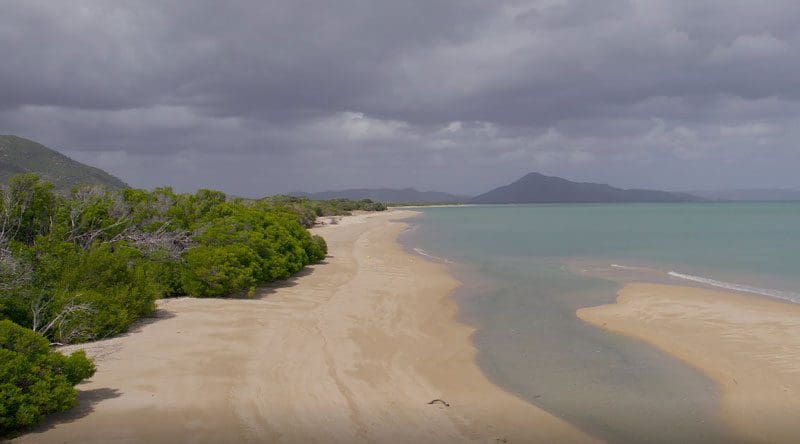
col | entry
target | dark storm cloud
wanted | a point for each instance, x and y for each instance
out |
(256, 97)
(227, 58)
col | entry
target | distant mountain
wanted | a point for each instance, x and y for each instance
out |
(764, 195)
(389, 195)
(19, 155)
(538, 188)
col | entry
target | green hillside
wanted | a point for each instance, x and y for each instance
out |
(19, 155)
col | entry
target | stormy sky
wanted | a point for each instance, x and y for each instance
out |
(258, 97)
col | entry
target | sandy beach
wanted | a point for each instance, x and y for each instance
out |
(750, 346)
(352, 350)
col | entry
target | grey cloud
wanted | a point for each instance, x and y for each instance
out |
(242, 95)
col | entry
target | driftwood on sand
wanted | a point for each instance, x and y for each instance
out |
(440, 401)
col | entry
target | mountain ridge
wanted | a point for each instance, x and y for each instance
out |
(538, 188)
(20, 155)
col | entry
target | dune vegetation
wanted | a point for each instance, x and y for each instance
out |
(85, 265)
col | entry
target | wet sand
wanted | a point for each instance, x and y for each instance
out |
(749, 346)
(353, 350)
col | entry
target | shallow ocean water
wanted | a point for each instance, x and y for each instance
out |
(521, 292)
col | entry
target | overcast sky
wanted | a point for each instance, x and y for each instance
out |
(258, 97)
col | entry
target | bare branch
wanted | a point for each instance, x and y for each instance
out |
(13, 274)
(173, 243)
(67, 322)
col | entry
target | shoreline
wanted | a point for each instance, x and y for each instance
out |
(659, 274)
(749, 345)
(351, 350)
(558, 367)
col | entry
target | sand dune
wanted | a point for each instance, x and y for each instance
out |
(351, 351)
(750, 346)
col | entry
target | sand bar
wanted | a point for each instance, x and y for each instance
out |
(351, 351)
(750, 346)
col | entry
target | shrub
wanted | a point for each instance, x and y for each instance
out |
(27, 206)
(307, 211)
(114, 284)
(35, 380)
(87, 265)
(318, 248)
(219, 270)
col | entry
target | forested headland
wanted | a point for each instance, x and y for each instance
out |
(87, 264)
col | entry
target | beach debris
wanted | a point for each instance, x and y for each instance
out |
(439, 401)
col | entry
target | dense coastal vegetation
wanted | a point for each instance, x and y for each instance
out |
(398, 196)
(309, 210)
(35, 379)
(85, 265)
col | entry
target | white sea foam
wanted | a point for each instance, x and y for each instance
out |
(785, 295)
(422, 252)
(411, 227)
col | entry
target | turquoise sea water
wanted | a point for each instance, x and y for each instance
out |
(522, 268)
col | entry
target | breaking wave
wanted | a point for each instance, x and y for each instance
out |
(785, 295)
